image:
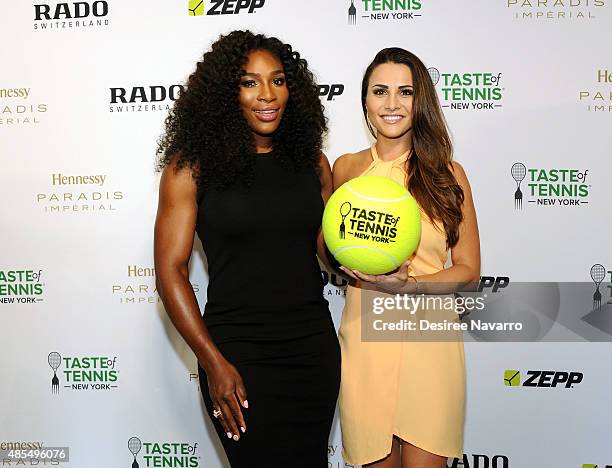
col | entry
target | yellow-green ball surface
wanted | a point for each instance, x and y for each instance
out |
(372, 224)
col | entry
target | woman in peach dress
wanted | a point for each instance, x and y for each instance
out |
(402, 402)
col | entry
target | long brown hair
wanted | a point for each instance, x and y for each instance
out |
(430, 180)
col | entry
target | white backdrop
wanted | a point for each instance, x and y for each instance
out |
(90, 290)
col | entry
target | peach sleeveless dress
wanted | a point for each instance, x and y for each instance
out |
(415, 390)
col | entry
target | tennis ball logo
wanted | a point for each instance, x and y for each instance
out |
(372, 224)
(512, 378)
(196, 7)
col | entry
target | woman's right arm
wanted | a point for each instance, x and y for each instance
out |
(174, 233)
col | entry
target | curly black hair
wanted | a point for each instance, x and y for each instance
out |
(207, 131)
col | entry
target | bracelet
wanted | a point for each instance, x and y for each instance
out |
(416, 290)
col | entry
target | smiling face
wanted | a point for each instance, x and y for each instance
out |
(389, 100)
(263, 92)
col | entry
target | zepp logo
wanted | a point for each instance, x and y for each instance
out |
(540, 378)
(493, 282)
(331, 91)
(224, 7)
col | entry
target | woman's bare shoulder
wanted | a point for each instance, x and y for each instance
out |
(350, 165)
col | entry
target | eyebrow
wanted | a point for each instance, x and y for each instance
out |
(257, 75)
(387, 87)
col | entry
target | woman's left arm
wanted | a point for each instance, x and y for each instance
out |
(327, 187)
(465, 256)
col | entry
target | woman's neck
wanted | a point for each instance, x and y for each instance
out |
(389, 149)
(263, 144)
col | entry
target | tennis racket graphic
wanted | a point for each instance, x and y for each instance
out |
(54, 359)
(434, 74)
(598, 273)
(345, 209)
(134, 445)
(518, 171)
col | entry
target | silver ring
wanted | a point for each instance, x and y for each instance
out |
(216, 413)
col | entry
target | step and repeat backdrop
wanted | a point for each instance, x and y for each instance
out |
(89, 359)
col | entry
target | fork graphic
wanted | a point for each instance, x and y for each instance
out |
(54, 383)
(518, 197)
(596, 299)
(352, 14)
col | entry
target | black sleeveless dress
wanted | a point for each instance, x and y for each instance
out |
(267, 314)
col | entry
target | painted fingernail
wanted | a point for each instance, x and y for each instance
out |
(245, 404)
(236, 438)
(229, 435)
(242, 429)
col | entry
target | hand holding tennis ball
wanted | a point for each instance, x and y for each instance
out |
(372, 224)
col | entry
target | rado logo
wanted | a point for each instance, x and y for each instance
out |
(144, 94)
(74, 10)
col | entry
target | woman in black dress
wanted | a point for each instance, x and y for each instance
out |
(242, 167)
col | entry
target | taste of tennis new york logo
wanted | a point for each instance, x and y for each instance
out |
(21, 286)
(469, 91)
(163, 454)
(367, 224)
(384, 10)
(83, 373)
(224, 7)
(74, 15)
(550, 187)
(600, 299)
(554, 10)
(598, 275)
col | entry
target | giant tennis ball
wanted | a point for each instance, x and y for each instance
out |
(372, 224)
